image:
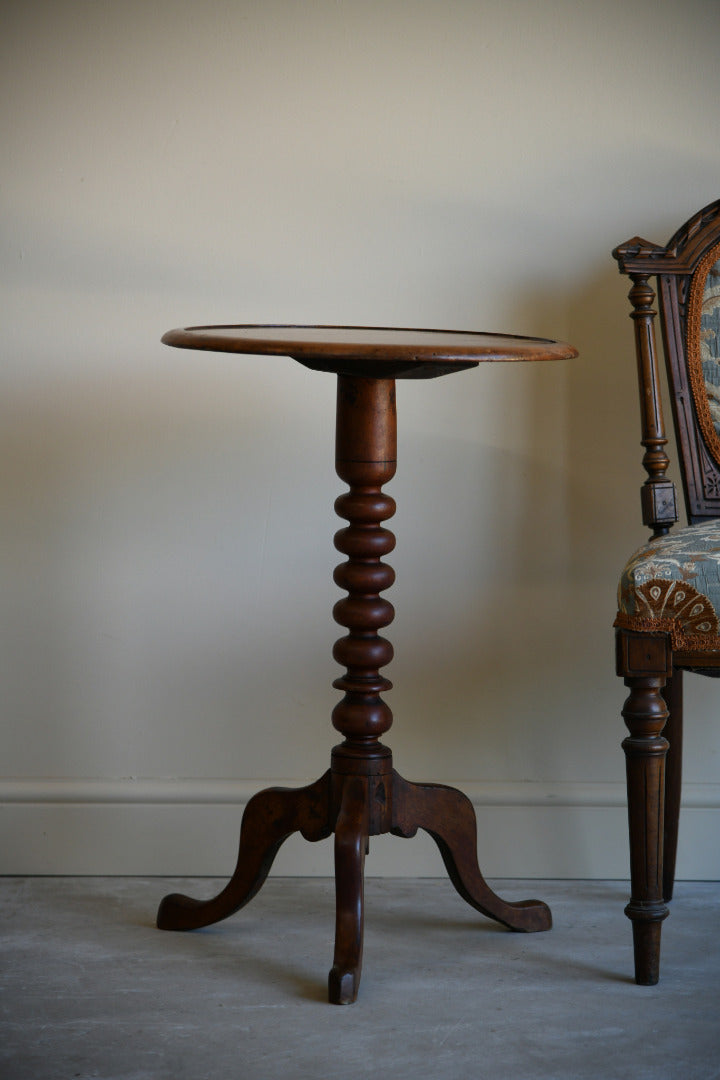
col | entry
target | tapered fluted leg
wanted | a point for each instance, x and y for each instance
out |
(270, 818)
(449, 817)
(645, 748)
(351, 840)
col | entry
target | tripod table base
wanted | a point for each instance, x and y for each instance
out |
(354, 807)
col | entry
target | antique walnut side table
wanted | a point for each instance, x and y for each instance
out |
(361, 795)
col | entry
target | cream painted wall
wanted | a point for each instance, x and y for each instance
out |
(167, 516)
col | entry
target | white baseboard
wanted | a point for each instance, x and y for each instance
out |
(191, 828)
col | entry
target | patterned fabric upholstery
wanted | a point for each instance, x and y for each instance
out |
(672, 585)
(710, 342)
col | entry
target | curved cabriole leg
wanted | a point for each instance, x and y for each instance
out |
(449, 817)
(645, 748)
(351, 840)
(270, 818)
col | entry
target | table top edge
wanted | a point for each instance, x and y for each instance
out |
(476, 347)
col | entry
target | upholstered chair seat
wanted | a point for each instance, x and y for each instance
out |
(672, 586)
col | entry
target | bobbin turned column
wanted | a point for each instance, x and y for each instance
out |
(365, 458)
(361, 767)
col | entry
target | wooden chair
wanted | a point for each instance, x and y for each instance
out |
(669, 592)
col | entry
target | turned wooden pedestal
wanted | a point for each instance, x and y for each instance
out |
(361, 795)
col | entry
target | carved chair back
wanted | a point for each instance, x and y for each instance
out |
(687, 271)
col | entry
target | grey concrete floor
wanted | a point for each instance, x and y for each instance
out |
(89, 987)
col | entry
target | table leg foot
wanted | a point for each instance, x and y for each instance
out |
(449, 817)
(270, 818)
(351, 841)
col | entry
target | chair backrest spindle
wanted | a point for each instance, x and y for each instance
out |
(658, 499)
(659, 509)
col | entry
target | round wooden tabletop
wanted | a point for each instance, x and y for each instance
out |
(379, 352)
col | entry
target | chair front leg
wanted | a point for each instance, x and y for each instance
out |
(645, 662)
(645, 749)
